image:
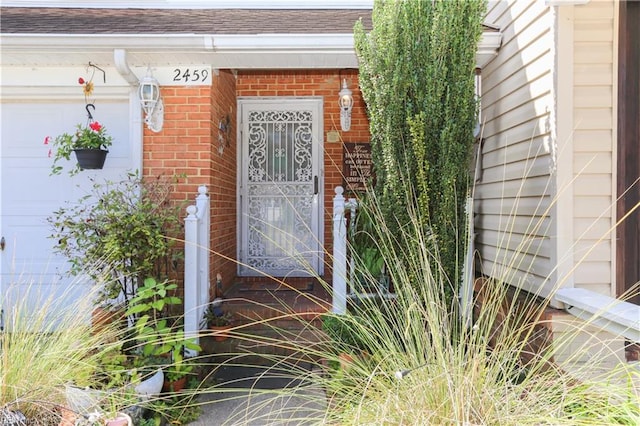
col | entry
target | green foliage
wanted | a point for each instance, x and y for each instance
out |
(153, 331)
(153, 296)
(367, 254)
(214, 316)
(111, 371)
(179, 368)
(344, 332)
(417, 78)
(176, 409)
(120, 233)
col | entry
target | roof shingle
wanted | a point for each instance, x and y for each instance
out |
(23, 20)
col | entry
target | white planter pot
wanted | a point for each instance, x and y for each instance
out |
(121, 419)
(87, 400)
(151, 387)
(84, 400)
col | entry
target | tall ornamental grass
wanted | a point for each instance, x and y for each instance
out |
(410, 359)
(47, 342)
(415, 362)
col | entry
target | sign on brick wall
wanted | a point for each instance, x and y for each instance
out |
(357, 168)
(179, 75)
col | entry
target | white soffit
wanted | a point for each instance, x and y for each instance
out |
(261, 51)
(220, 51)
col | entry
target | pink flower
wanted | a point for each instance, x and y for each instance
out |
(95, 126)
(47, 139)
(81, 80)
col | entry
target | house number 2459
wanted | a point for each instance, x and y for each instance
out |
(191, 75)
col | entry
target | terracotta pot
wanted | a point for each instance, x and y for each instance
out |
(101, 318)
(346, 361)
(174, 386)
(121, 419)
(220, 332)
(67, 417)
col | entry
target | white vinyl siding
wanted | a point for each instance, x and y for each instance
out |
(513, 195)
(544, 207)
(593, 145)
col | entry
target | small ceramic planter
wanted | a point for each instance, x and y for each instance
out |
(220, 332)
(174, 386)
(151, 387)
(120, 419)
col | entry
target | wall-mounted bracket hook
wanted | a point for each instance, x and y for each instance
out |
(104, 74)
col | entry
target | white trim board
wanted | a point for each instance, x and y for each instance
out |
(610, 314)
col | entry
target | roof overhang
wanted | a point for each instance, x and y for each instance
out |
(220, 51)
(256, 51)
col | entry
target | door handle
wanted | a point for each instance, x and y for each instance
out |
(315, 185)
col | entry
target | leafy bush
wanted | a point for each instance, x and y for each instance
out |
(343, 332)
(417, 78)
(119, 234)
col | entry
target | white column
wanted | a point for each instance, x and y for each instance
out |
(191, 320)
(339, 253)
(203, 215)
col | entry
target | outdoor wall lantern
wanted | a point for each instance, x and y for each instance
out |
(346, 104)
(149, 92)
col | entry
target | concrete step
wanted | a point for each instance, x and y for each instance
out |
(266, 324)
(264, 345)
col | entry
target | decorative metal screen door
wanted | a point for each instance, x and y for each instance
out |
(280, 187)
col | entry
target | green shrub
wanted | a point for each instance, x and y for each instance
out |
(417, 78)
(119, 234)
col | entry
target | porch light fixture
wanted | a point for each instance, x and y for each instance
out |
(151, 102)
(346, 105)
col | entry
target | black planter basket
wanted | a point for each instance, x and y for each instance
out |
(91, 159)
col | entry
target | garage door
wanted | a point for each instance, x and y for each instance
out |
(28, 194)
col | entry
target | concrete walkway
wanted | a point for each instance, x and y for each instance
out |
(249, 395)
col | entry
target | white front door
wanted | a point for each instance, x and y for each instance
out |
(280, 188)
(29, 194)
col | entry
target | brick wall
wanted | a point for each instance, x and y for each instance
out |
(325, 83)
(188, 146)
(223, 179)
(183, 147)
(518, 310)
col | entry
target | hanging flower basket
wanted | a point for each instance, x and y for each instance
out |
(89, 141)
(90, 159)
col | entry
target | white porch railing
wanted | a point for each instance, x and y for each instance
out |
(344, 275)
(341, 269)
(196, 264)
